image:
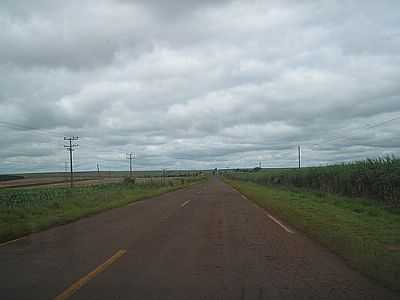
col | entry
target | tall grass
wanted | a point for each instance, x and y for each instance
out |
(377, 179)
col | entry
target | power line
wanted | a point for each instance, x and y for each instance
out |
(339, 137)
(131, 156)
(18, 126)
(111, 160)
(382, 123)
(27, 129)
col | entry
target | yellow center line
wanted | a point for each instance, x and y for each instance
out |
(85, 279)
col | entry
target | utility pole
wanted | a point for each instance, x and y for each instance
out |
(299, 153)
(163, 176)
(130, 156)
(98, 169)
(70, 147)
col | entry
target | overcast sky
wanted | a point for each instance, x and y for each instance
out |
(197, 84)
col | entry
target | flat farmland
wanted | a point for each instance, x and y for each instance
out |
(56, 181)
(27, 209)
(86, 179)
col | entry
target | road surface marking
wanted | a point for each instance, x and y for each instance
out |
(280, 224)
(12, 241)
(85, 279)
(271, 217)
(185, 203)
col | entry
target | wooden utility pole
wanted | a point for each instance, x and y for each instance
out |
(163, 176)
(130, 156)
(70, 147)
(299, 153)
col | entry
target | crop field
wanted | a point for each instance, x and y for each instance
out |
(377, 179)
(26, 210)
(61, 179)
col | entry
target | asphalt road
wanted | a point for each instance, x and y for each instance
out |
(205, 242)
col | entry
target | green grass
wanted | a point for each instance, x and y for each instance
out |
(377, 179)
(365, 233)
(23, 211)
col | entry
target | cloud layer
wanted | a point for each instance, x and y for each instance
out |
(197, 84)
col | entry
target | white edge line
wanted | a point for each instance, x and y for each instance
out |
(280, 224)
(272, 218)
(185, 203)
(245, 198)
(12, 241)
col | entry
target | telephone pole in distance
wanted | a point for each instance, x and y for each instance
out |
(299, 153)
(70, 147)
(130, 156)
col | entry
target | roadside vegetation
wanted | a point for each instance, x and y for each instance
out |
(377, 179)
(23, 210)
(365, 232)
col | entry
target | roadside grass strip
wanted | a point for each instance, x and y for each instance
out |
(365, 233)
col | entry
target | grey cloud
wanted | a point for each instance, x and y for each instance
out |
(198, 83)
(69, 35)
(173, 8)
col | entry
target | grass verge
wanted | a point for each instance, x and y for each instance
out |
(24, 211)
(363, 232)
